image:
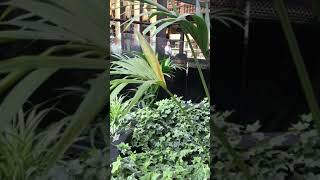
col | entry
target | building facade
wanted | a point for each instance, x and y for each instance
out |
(122, 37)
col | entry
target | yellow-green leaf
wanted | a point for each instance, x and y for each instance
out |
(152, 59)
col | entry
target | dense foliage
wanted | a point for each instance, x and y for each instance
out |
(24, 147)
(164, 145)
(92, 164)
(27, 150)
(279, 157)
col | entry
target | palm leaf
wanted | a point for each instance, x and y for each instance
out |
(93, 103)
(9, 80)
(141, 90)
(299, 62)
(13, 102)
(33, 62)
(152, 59)
(23, 148)
(68, 21)
(62, 14)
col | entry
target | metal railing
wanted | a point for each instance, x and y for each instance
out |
(127, 42)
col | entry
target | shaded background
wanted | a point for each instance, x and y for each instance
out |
(267, 87)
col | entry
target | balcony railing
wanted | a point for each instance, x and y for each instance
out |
(128, 42)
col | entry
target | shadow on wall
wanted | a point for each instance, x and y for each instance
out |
(273, 92)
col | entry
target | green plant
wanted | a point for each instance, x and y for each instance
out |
(269, 157)
(298, 60)
(168, 67)
(24, 147)
(118, 107)
(138, 70)
(85, 162)
(164, 145)
(226, 16)
(71, 24)
(144, 70)
(199, 28)
(91, 165)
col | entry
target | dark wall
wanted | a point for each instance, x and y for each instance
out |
(190, 87)
(226, 52)
(272, 93)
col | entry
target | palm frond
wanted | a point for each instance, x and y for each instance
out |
(143, 71)
(23, 148)
(88, 110)
(59, 20)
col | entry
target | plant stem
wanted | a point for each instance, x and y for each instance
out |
(204, 84)
(299, 62)
(8, 81)
(5, 13)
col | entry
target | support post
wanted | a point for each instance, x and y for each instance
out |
(181, 44)
(136, 13)
(161, 36)
(153, 30)
(117, 16)
(245, 59)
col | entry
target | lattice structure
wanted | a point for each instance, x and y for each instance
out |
(299, 11)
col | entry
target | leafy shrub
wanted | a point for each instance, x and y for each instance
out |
(92, 165)
(24, 146)
(164, 145)
(118, 106)
(168, 67)
(270, 158)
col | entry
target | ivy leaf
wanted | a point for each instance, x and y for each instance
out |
(308, 135)
(116, 165)
(300, 126)
(253, 127)
(277, 141)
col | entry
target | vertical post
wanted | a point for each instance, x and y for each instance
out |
(122, 16)
(141, 17)
(187, 68)
(152, 32)
(181, 44)
(161, 36)
(245, 59)
(117, 23)
(186, 83)
(136, 13)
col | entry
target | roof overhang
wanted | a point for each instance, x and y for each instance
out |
(300, 11)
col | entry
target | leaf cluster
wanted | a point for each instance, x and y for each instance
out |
(293, 154)
(164, 145)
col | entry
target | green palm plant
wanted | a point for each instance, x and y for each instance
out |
(80, 27)
(137, 70)
(23, 148)
(143, 71)
(118, 106)
(198, 27)
(168, 67)
(226, 16)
